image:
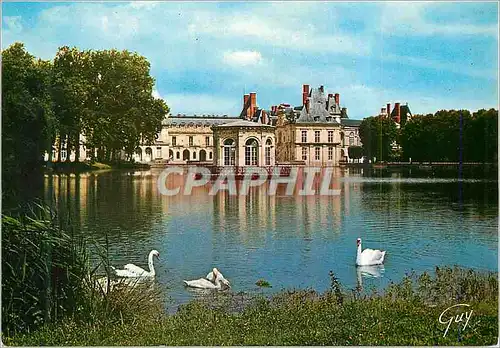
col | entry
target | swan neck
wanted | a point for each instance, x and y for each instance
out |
(358, 253)
(150, 263)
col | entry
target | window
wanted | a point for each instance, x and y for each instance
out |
(174, 141)
(317, 152)
(330, 136)
(304, 136)
(268, 152)
(330, 153)
(158, 152)
(207, 141)
(194, 155)
(251, 147)
(351, 139)
(178, 155)
(304, 153)
(63, 154)
(316, 136)
(89, 154)
(210, 155)
(229, 152)
(190, 141)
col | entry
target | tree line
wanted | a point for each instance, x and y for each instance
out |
(104, 95)
(446, 136)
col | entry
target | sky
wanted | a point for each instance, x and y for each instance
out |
(205, 55)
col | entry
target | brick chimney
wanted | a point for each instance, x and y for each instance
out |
(397, 107)
(305, 96)
(337, 98)
(389, 109)
(253, 105)
(263, 116)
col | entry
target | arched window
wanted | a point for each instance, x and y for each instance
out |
(269, 143)
(351, 139)
(185, 155)
(203, 155)
(149, 154)
(251, 150)
(138, 154)
(229, 152)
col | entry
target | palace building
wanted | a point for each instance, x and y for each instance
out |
(317, 133)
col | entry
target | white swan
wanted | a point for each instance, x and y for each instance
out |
(224, 281)
(133, 271)
(204, 283)
(369, 256)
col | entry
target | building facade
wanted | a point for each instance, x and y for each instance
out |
(312, 133)
(244, 143)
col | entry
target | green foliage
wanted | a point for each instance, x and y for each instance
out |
(355, 152)
(27, 116)
(377, 135)
(263, 283)
(452, 135)
(42, 271)
(406, 314)
(104, 95)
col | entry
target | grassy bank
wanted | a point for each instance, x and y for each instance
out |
(80, 167)
(406, 314)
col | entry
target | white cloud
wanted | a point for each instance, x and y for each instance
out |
(242, 58)
(13, 23)
(409, 18)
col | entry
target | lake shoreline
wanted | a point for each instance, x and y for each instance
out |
(83, 167)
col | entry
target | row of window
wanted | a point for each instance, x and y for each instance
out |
(316, 136)
(317, 153)
(190, 141)
(186, 155)
(251, 150)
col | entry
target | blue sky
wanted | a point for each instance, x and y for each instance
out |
(204, 56)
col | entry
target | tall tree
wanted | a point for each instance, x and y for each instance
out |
(27, 119)
(27, 123)
(378, 135)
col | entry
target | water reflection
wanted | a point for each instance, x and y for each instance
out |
(375, 271)
(290, 241)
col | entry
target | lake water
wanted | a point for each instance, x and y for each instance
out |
(290, 241)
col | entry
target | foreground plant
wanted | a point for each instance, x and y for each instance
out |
(407, 313)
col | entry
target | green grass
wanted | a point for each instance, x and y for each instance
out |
(405, 314)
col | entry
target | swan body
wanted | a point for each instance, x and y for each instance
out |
(204, 283)
(132, 271)
(210, 276)
(368, 257)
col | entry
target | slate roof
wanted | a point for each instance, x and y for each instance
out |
(317, 109)
(243, 123)
(350, 123)
(205, 120)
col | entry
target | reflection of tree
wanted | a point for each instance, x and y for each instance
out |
(122, 206)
